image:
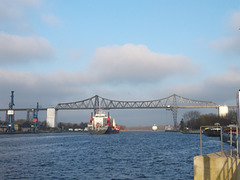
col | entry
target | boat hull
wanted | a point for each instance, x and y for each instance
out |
(212, 132)
(109, 130)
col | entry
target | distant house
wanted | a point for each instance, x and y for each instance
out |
(26, 127)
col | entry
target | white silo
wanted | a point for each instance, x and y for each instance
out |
(223, 111)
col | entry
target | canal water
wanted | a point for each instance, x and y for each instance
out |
(127, 155)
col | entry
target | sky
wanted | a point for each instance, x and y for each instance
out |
(64, 51)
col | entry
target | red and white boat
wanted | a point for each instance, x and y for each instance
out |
(100, 123)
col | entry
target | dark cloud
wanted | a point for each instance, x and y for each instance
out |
(221, 88)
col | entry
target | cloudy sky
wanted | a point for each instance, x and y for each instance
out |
(63, 51)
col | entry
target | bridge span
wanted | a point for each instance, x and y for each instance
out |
(172, 103)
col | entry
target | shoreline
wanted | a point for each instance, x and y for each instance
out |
(40, 132)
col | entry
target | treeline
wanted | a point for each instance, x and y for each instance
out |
(66, 126)
(43, 125)
(193, 119)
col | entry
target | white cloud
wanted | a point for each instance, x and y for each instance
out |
(75, 54)
(16, 49)
(230, 44)
(136, 63)
(14, 9)
(234, 21)
(13, 14)
(51, 20)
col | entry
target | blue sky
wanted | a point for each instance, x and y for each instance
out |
(63, 51)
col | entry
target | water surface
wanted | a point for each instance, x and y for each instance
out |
(127, 155)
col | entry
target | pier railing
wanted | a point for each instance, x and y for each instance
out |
(201, 140)
(231, 128)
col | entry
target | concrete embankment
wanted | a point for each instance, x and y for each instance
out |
(217, 166)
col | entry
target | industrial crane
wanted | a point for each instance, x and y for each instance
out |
(10, 112)
(35, 119)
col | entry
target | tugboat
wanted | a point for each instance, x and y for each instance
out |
(100, 123)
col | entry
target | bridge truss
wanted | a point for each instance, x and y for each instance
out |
(173, 103)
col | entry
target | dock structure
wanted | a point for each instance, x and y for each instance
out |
(219, 166)
(224, 165)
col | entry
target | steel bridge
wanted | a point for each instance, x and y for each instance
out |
(173, 103)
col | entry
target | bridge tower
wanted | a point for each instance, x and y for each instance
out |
(96, 104)
(51, 118)
(174, 111)
(10, 113)
(29, 114)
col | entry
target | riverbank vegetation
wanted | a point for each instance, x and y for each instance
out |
(27, 126)
(193, 119)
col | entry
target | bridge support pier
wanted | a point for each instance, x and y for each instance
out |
(6, 116)
(174, 112)
(51, 117)
(30, 114)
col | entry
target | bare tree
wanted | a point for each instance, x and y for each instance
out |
(232, 115)
(191, 115)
